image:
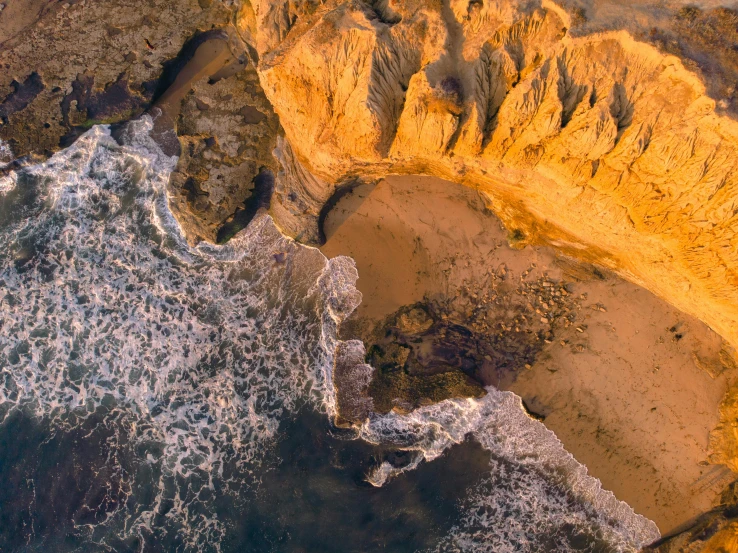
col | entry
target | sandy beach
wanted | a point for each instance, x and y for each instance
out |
(629, 384)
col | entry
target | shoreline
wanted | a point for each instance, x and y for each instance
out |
(630, 385)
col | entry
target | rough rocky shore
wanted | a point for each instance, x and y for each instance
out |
(604, 130)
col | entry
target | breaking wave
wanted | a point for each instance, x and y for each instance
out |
(199, 351)
(537, 496)
(6, 153)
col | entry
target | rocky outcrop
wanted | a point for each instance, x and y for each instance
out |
(420, 358)
(596, 142)
(228, 131)
(68, 66)
(437, 349)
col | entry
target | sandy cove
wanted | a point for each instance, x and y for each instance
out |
(630, 385)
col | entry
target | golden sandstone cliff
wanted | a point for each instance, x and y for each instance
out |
(605, 128)
(596, 142)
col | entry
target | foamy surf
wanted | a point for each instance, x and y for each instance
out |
(193, 357)
(6, 153)
(535, 490)
(200, 350)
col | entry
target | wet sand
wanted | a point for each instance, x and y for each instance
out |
(631, 387)
(209, 58)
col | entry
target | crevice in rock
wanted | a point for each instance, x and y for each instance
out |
(261, 198)
(504, 65)
(571, 94)
(392, 68)
(621, 109)
(382, 11)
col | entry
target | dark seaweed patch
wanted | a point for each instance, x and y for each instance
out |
(23, 94)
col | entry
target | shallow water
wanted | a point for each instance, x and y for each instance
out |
(159, 397)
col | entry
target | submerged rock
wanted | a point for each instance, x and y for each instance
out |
(427, 352)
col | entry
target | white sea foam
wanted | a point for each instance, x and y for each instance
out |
(7, 182)
(6, 153)
(200, 350)
(537, 495)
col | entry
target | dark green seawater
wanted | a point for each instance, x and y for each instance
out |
(312, 496)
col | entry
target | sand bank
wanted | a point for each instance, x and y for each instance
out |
(629, 384)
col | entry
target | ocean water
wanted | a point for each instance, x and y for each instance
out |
(160, 397)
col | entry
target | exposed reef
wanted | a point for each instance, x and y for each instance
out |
(90, 64)
(62, 71)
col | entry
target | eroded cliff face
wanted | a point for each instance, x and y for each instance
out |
(596, 142)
